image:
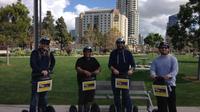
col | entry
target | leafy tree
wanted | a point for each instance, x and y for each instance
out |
(48, 25)
(62, 35)
(187, 30)
(92, 37)
(110, 38)
(14, 24)
(152, 39)
(89, 36)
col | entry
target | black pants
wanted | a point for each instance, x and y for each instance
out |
(84, 100)
(167, 104)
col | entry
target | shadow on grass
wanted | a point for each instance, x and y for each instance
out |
(1, 62)
(181, 79)
(181, 61)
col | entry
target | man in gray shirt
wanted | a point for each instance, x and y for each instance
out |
(165, 67)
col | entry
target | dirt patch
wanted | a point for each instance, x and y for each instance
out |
(191, 78)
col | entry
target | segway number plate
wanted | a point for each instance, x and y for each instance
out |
(122, 83)
(89, 85)
(43, 86)
(160, 90)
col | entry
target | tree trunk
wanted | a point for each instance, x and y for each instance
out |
(7, 56)
(198, 73)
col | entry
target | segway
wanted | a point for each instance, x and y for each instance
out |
(155, 110)
(87, 85)
(160, 85)
(94, 108)
(24, 110)
(43, 86)
(122, 82)
(48, 109)
(112, 108)
(134, 108)
(73, 108)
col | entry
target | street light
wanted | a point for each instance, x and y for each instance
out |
(37, 34)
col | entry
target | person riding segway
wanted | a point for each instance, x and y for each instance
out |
(42, 63)
(87, 68)
(164, 70)
(121, 63)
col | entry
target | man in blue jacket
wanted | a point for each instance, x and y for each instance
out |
(164, 70)
(121, 64)
(42, 63)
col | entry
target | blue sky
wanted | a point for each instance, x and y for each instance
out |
(91, 3)
(153, 13)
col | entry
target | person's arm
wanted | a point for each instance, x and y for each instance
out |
(33, 62)
(111, 63)
(114, 70)
(132, 64)
(82, 71)
(52, 64)
(98, 70)
(152, 70)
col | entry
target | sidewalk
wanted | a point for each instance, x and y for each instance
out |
(65, 108)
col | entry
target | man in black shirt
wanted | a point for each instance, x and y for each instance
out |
(42, 63)
(87, 68)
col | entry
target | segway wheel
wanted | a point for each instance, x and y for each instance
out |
(50, 109)
(135, 108)
(73, 108)
(24, 110)
(155, 110)
(95, 108)
(112, 108)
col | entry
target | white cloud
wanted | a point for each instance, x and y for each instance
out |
(56, 7)
(6, 2)
(81, 8)
(153, 13)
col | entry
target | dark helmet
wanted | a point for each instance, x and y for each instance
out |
(120, 40)
(87, 48)
(45, 40)
(163, 45)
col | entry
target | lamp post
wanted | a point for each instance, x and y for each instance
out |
(36, 23)
(37, 29)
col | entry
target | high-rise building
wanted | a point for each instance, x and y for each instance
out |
(129, 8)
(172, 20)
(103, 20)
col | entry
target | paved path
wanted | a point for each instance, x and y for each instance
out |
(65, 108)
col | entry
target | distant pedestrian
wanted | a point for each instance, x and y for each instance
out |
(164, 70)
(87, 68)
(42, 63)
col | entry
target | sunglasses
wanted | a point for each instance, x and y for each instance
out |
(120, 42)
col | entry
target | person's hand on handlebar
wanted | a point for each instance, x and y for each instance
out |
(167, 77)
(130, 71)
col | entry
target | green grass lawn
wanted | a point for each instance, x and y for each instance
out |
(15, 80)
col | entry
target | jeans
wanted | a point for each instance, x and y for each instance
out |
(167, 104)
(126, 100)
(38, 99)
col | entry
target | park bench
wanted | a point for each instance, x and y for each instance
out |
(137, 91)
(4, 51)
